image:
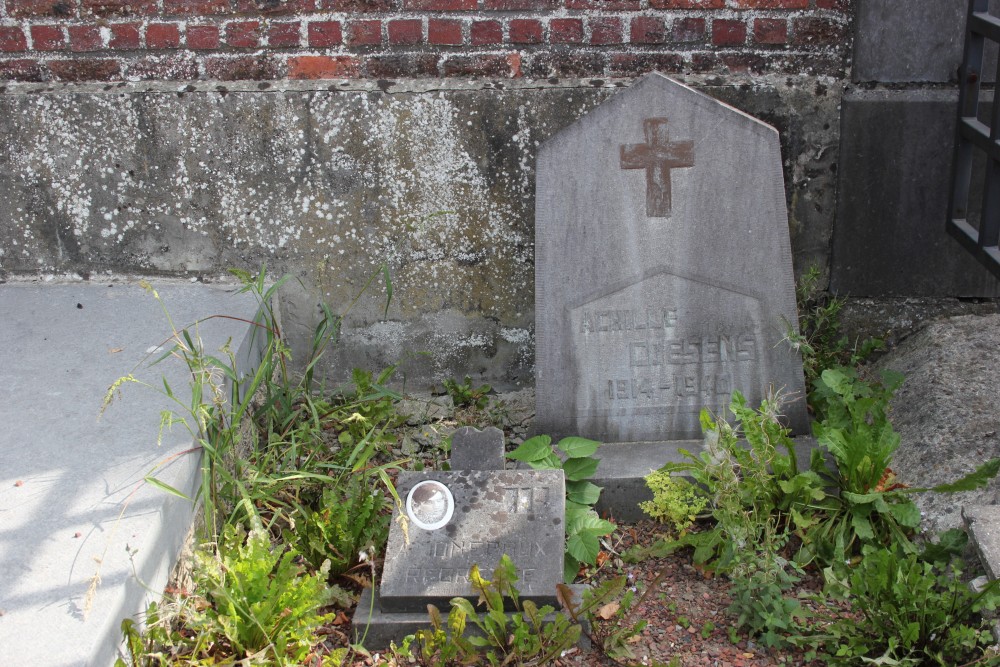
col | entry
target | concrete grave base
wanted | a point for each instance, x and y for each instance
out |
(983, 524)
(378, 629)
(624, 467)
(73, 503)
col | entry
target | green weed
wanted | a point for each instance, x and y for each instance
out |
(865, 504)
(818, 338)
(675, 502)
(520, 638)
(252, 602)
(464, 395)
(912, 613)
(351, 518)
(584, 529)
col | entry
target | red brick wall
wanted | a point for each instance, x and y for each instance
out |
(113, 40)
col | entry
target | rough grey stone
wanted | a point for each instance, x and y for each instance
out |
(890, 239)
(516, 512)
(663, 273)
(894, 318)
(945, 412)
(472, 449)
(919, 41)
(326, 184)
(983, 524)
(424, 409)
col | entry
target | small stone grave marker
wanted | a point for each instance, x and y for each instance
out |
(472, 449)
(663, 268)
(466, 517)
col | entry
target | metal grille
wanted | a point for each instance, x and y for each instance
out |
(976, 225)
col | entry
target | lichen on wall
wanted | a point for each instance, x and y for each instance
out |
(435, 183)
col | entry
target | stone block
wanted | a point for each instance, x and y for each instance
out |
(895, 165)
(472, 449)
(915, 41)
(457, 519)
(72, 497)
(983, 524)
(376, 629)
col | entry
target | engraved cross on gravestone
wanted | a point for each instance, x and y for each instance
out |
(657, 156)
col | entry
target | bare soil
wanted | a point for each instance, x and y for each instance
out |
(686, 609)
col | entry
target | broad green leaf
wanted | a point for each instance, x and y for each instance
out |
(861, 498)
(463, 605)
(862, 526)
(570, 568)
(456, 621)
(583, 546)
(532, 449)
(583, 492)
(906, 513)
(549, 462)
(590, 522)
(435, 616)
(576, 447)
(578, 469)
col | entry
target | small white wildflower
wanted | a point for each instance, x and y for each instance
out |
(362, 556)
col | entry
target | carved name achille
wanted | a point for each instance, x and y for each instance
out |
(627, 320)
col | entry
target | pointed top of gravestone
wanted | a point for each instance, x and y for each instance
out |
(663, 268)
(472, 449)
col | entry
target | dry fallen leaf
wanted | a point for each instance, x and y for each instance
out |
(115, 350)
(608, 611)
(341, 618)
(602, 558)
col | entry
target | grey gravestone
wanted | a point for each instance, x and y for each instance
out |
(520, 513)
(663, 269)
(472, 449)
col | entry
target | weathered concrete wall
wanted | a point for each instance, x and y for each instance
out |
(437, 181)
